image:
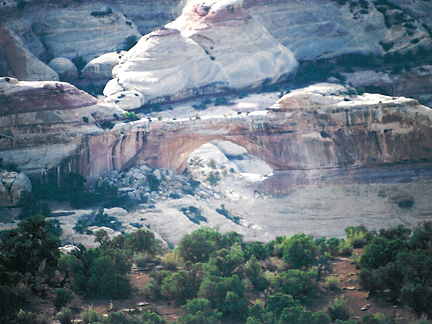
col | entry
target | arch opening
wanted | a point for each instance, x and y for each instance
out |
(218, 159)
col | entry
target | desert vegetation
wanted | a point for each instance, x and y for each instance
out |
(212, 277)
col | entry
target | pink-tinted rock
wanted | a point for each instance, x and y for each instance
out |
(21, 97)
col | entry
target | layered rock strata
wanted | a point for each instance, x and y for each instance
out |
(309, 132)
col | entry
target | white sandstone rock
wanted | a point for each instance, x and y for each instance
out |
(76, 32)
(317, 95)
(102, 66)
(165, 63)
(219, 45)
(126, 100)
(249, 55)
(64, 68)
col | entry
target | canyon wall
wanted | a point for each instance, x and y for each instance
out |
(317, 129)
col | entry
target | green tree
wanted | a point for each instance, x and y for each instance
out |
(25, 248)
(198, 246)
(181, 286)
(198, 311)
(254, 273)
(62, 297)
(227, 261)
(299, 251)
(297, 283)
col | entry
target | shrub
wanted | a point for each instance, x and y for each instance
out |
(21, 4)
(89, 316)
(97, 218)
(79, 62)
(131, 116)
(108, 11)
(357, 236)
(194, 214)
(62, 297)
(213, 178)
(65, 316)
(332, 282)
(337, 310)
(130, 42)
(153, 182)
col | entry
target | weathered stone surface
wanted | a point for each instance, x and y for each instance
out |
(247, 52)
(165, 63)
(324, 29)
(76, 32)
(126, 100)
(416, 82)
(11, 185)
(219, 46)
(102, 66)
(324, 131)
(22, 97)
(17, 61)
(64, 68)
(22, 28)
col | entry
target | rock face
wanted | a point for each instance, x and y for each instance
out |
(16, 60)
(11, 185)
(326, 29)
(235, 40)
(86, 31)
(215, 45)
(43, 125)
(308, 134)
(416, 82)
(22, 97)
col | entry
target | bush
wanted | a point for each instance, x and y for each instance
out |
(153, 182)
(213, 178)
(79, 62)
(194, 214)
(62, 297)
(65, 316)
(130, 42)
(89, 316)
(338, 311)
(108, 11)
(332, 282)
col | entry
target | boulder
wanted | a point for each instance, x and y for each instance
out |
(22, 97)
(64, 68)
(11, 185)
(19, 62)
(102, 66)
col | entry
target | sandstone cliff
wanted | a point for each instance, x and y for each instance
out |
(309, 132)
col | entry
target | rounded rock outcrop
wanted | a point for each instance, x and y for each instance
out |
(212, 46)
(165, 63)
(102, 66)
(64, 68)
